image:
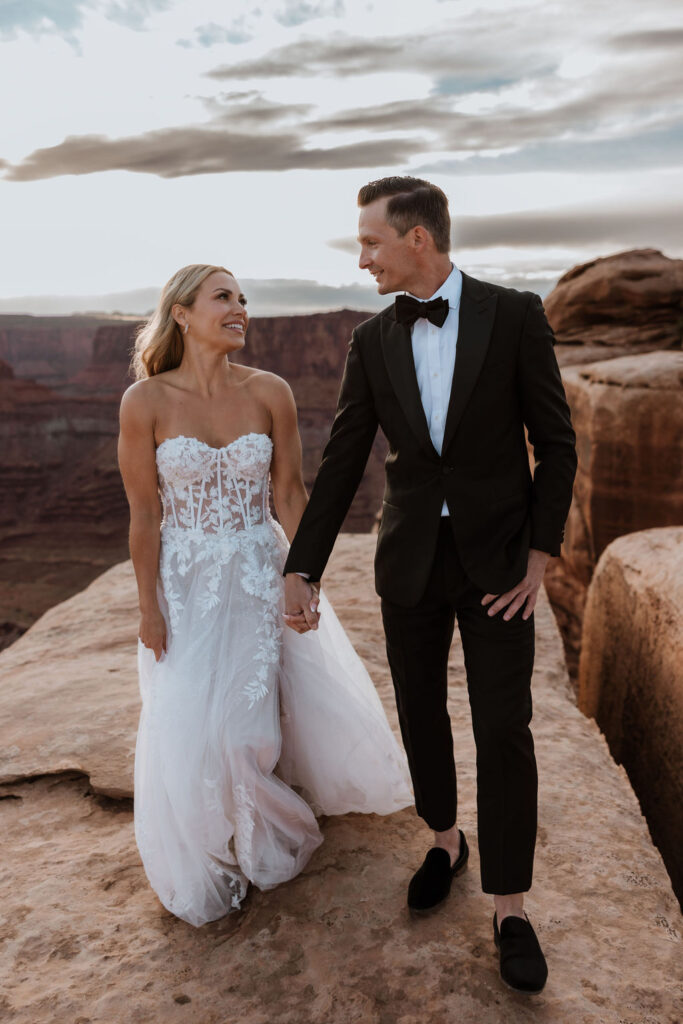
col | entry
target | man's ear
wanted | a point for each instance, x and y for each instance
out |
(420, 237)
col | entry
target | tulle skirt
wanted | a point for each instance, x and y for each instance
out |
(248, 730)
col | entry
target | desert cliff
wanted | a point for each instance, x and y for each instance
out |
(85, 939)
(619, 325)
(630, 674)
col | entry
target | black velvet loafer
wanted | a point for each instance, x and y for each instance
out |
(431, 883)
(522, 964)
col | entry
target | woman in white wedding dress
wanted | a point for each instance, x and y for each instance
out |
(248, 729)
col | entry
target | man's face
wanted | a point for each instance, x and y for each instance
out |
(388, 257)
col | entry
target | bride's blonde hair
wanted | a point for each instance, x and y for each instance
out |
(159, 342)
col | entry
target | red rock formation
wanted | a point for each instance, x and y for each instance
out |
(630, 675)
(628, 416)
(47, 349)
(63, 509)
(107, 371)
(65, 517)
(626, 303)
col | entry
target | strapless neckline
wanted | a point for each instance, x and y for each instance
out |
(211, 447)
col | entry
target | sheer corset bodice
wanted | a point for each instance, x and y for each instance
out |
(214, 490)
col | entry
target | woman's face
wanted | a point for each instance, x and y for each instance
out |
(218, 316)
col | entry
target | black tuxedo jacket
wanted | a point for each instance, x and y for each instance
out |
(506, 377)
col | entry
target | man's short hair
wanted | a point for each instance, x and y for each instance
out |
(412, 201)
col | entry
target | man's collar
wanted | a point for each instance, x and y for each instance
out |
(450, 289)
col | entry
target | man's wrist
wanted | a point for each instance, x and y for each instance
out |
(304, 575)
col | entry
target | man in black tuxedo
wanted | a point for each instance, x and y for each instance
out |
(452, 372)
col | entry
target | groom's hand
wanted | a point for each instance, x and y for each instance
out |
(301, 603)
(525, 593)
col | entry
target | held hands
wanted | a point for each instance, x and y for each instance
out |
(301, 601)
(152, 632)
(526, 591)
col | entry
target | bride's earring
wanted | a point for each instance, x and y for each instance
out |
(186, 328)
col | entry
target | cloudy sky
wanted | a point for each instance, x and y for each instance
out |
(140, 136)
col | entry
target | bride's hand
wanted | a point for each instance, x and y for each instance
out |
(152, 632)
(303, 599)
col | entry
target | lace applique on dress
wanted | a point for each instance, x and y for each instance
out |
(215, 503)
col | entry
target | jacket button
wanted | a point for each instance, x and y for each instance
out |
(446, 468)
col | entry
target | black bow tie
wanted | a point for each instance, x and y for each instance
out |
(408, 310)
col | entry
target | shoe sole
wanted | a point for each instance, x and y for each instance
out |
(427, 911)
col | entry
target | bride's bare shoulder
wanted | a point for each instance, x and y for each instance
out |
(141, 399)
(264, 382)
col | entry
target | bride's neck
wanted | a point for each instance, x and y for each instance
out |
(206, 372)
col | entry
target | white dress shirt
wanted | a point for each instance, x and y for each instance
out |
(434, 357)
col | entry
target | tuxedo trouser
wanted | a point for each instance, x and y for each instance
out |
(499, 658)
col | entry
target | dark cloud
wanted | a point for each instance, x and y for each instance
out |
(341, 56)
(459, 59)
(178, 152)
(665, 38)
(435, 113)
(251, 109)
(638, 151)
(598, 121)
(590, 116)
(654, 226)
(627, 227)
(602, 110)
(242, 135)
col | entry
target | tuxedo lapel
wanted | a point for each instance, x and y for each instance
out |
(398, 356)
(475, 323)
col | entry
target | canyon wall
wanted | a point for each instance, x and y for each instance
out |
(48, 349)
(64, 516)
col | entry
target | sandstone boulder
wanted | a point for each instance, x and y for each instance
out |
(631, 674)
(627, 302)
(628, 417)
(85, 940)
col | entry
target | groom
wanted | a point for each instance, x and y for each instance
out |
(452, 372)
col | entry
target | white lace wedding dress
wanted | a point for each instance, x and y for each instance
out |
(240, 708)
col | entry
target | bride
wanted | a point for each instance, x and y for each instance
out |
(247, 730)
